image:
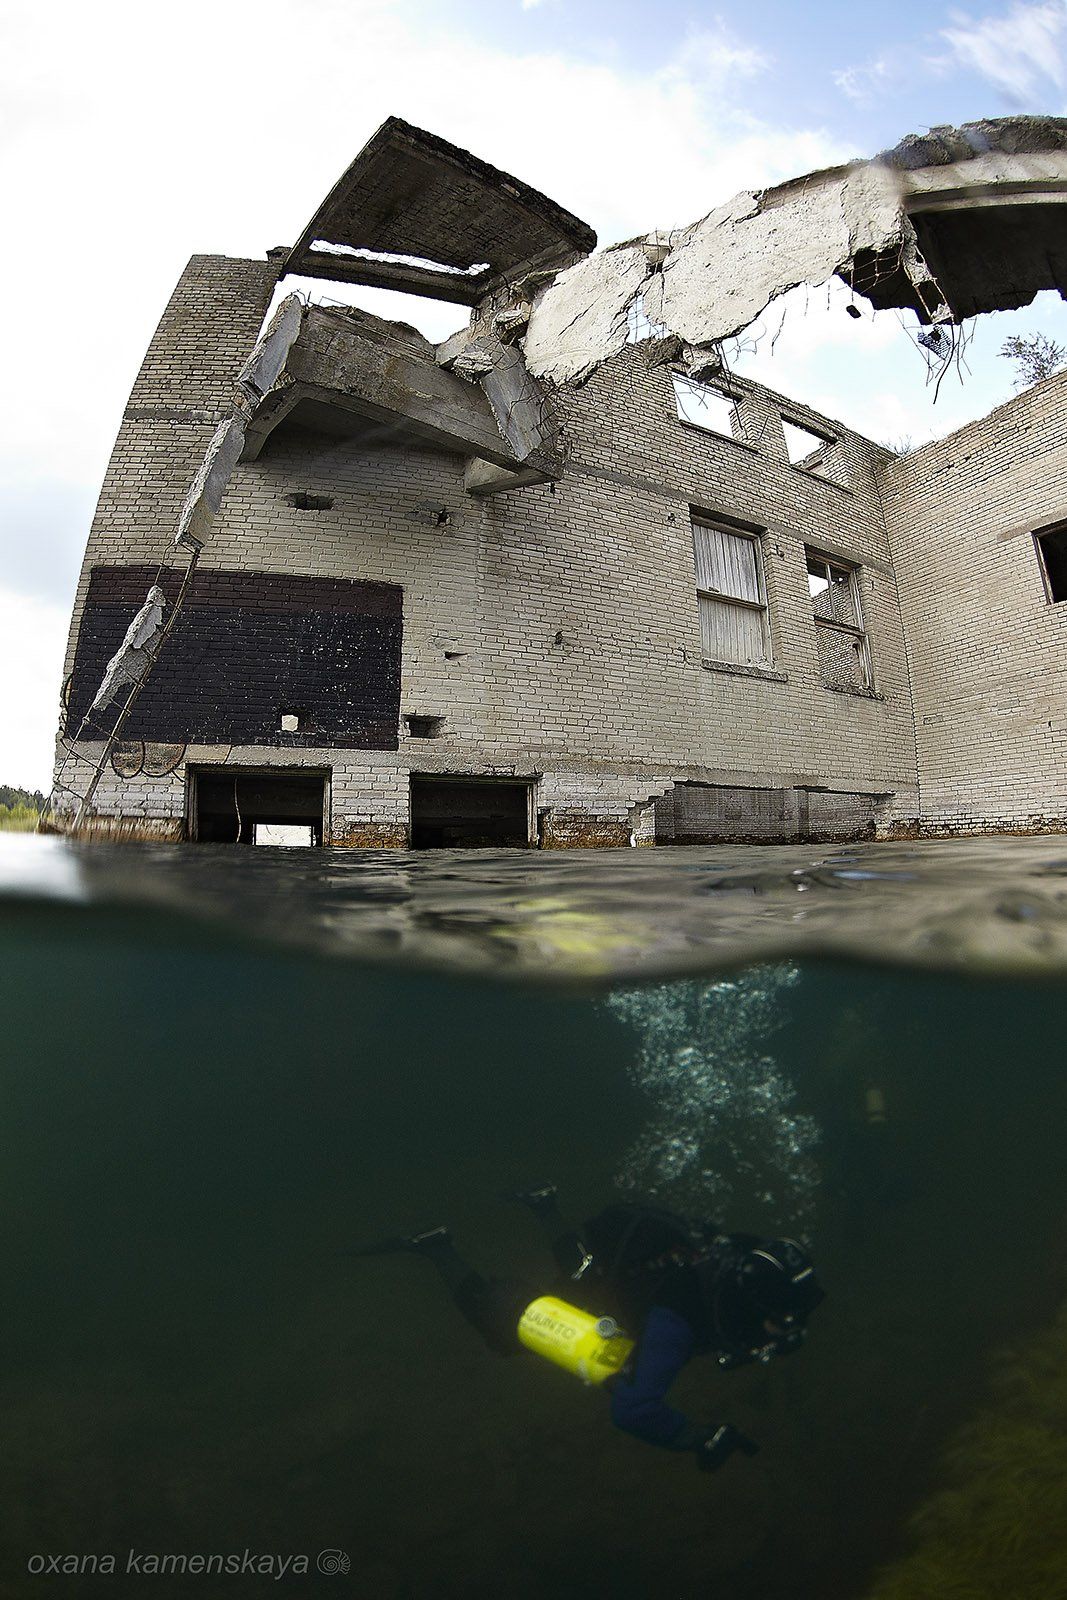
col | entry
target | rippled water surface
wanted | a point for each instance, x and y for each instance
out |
(994, 905)
(223, 1067)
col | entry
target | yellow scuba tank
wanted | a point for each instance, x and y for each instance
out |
(593, 1348)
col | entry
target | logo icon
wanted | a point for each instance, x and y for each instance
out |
(333, 1561)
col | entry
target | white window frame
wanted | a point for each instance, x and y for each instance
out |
(753, 537)
(855, 632)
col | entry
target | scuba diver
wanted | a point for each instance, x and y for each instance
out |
(682, 1288)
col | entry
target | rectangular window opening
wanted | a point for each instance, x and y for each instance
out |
(706, 406)
(730, 594)
(257, 806)
(844, 656)
(806, 448)
(424, 727)
(1052, 552)
(284, 835)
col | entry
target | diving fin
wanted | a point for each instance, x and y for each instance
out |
(399, 1243)
(541, 1201)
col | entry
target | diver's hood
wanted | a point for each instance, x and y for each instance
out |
(754, 1282)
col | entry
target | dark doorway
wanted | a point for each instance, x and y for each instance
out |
(228, 806)
(467, 814)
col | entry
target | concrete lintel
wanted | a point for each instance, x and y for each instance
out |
(483, 478)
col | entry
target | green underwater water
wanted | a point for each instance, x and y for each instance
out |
(194, 1127)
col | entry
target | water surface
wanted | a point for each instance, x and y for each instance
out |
(222, 1068)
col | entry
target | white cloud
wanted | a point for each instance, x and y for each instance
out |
(215, 136)
(713, 57)
(865, 83)
(33, 635)
(1022, 51)
(202, 138)
(869, 373)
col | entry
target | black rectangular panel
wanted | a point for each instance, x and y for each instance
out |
(247, 646)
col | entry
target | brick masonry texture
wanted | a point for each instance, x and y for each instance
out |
(988, 651)
(246, 647)
(555, 629)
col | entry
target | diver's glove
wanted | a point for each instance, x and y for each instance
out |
(720, 1443)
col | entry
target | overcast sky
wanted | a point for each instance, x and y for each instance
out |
(135, 134)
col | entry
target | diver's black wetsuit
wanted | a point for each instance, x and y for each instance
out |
(658, 1275)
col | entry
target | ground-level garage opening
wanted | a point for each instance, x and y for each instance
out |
(469, 813)
(243, 806)
(715, 813)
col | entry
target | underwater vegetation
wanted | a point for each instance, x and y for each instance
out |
(997, 1527)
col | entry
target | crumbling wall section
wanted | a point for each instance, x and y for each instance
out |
(181, 392)
(553, 631)
(988, 651)
(635, 472)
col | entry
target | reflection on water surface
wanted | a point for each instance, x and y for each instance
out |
(995, 905)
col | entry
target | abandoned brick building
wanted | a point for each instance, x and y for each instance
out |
(563, 579)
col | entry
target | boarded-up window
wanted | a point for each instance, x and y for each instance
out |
(701, 813)
(844, 659)
(733, 607)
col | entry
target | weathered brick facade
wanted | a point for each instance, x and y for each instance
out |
(553, 631)
(988, 650)
(249, 648)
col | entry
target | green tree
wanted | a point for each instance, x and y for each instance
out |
(1035, 357)
(10, 798)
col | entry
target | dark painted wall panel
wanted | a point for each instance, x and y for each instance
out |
(247, 646)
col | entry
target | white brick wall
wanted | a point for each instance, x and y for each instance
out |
(988, 652)
(556, 629)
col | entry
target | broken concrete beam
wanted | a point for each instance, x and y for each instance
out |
(267, 362)
(134, 655)
(943, 240)
(204, 497)
(522, 407)
(356, 363)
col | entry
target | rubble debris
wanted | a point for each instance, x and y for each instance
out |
(964, 221)
(357, 375)
(134, 655)
(257, 377)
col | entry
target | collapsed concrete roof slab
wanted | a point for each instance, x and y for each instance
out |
(981, 227)
(986, 204)
(409, 193)
(348, 371)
